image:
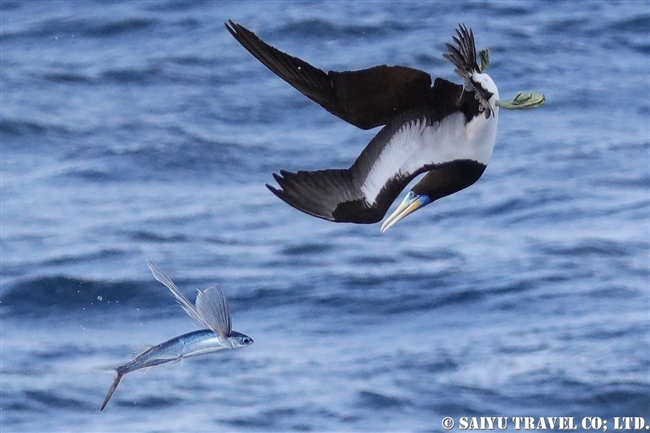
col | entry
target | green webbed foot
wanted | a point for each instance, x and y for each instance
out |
(484, 55)
(522, 101)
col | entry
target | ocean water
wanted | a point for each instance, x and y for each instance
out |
(141, 130)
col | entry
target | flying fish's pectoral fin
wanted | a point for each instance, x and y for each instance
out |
(185, 303)
(212, 305)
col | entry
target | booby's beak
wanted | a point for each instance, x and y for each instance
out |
(522, 102)
(411, 203)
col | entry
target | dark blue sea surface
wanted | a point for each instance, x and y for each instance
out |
(141, 130)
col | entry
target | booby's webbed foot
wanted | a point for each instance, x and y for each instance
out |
(522, 101)
(484, 55)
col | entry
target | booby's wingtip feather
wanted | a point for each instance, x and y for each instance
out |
(277, 191)
(231, 27)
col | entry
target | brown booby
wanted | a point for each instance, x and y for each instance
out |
(446, 130)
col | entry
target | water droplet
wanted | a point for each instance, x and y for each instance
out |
(99, 298)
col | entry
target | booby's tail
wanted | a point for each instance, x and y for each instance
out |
(463, 56)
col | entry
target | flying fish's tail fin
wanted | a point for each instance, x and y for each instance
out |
(111, 391)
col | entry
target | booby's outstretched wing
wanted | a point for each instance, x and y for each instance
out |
(415, 142)
(365, 98)
(355, 194)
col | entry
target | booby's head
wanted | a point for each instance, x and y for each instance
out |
(445, 180)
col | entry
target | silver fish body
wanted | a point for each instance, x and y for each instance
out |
(186, 345)
(211, 310)
(173, 350)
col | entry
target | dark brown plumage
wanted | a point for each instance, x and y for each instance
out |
(401, 99)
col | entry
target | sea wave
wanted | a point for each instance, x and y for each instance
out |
(54, 295)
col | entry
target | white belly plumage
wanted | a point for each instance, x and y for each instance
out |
(417, 144)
